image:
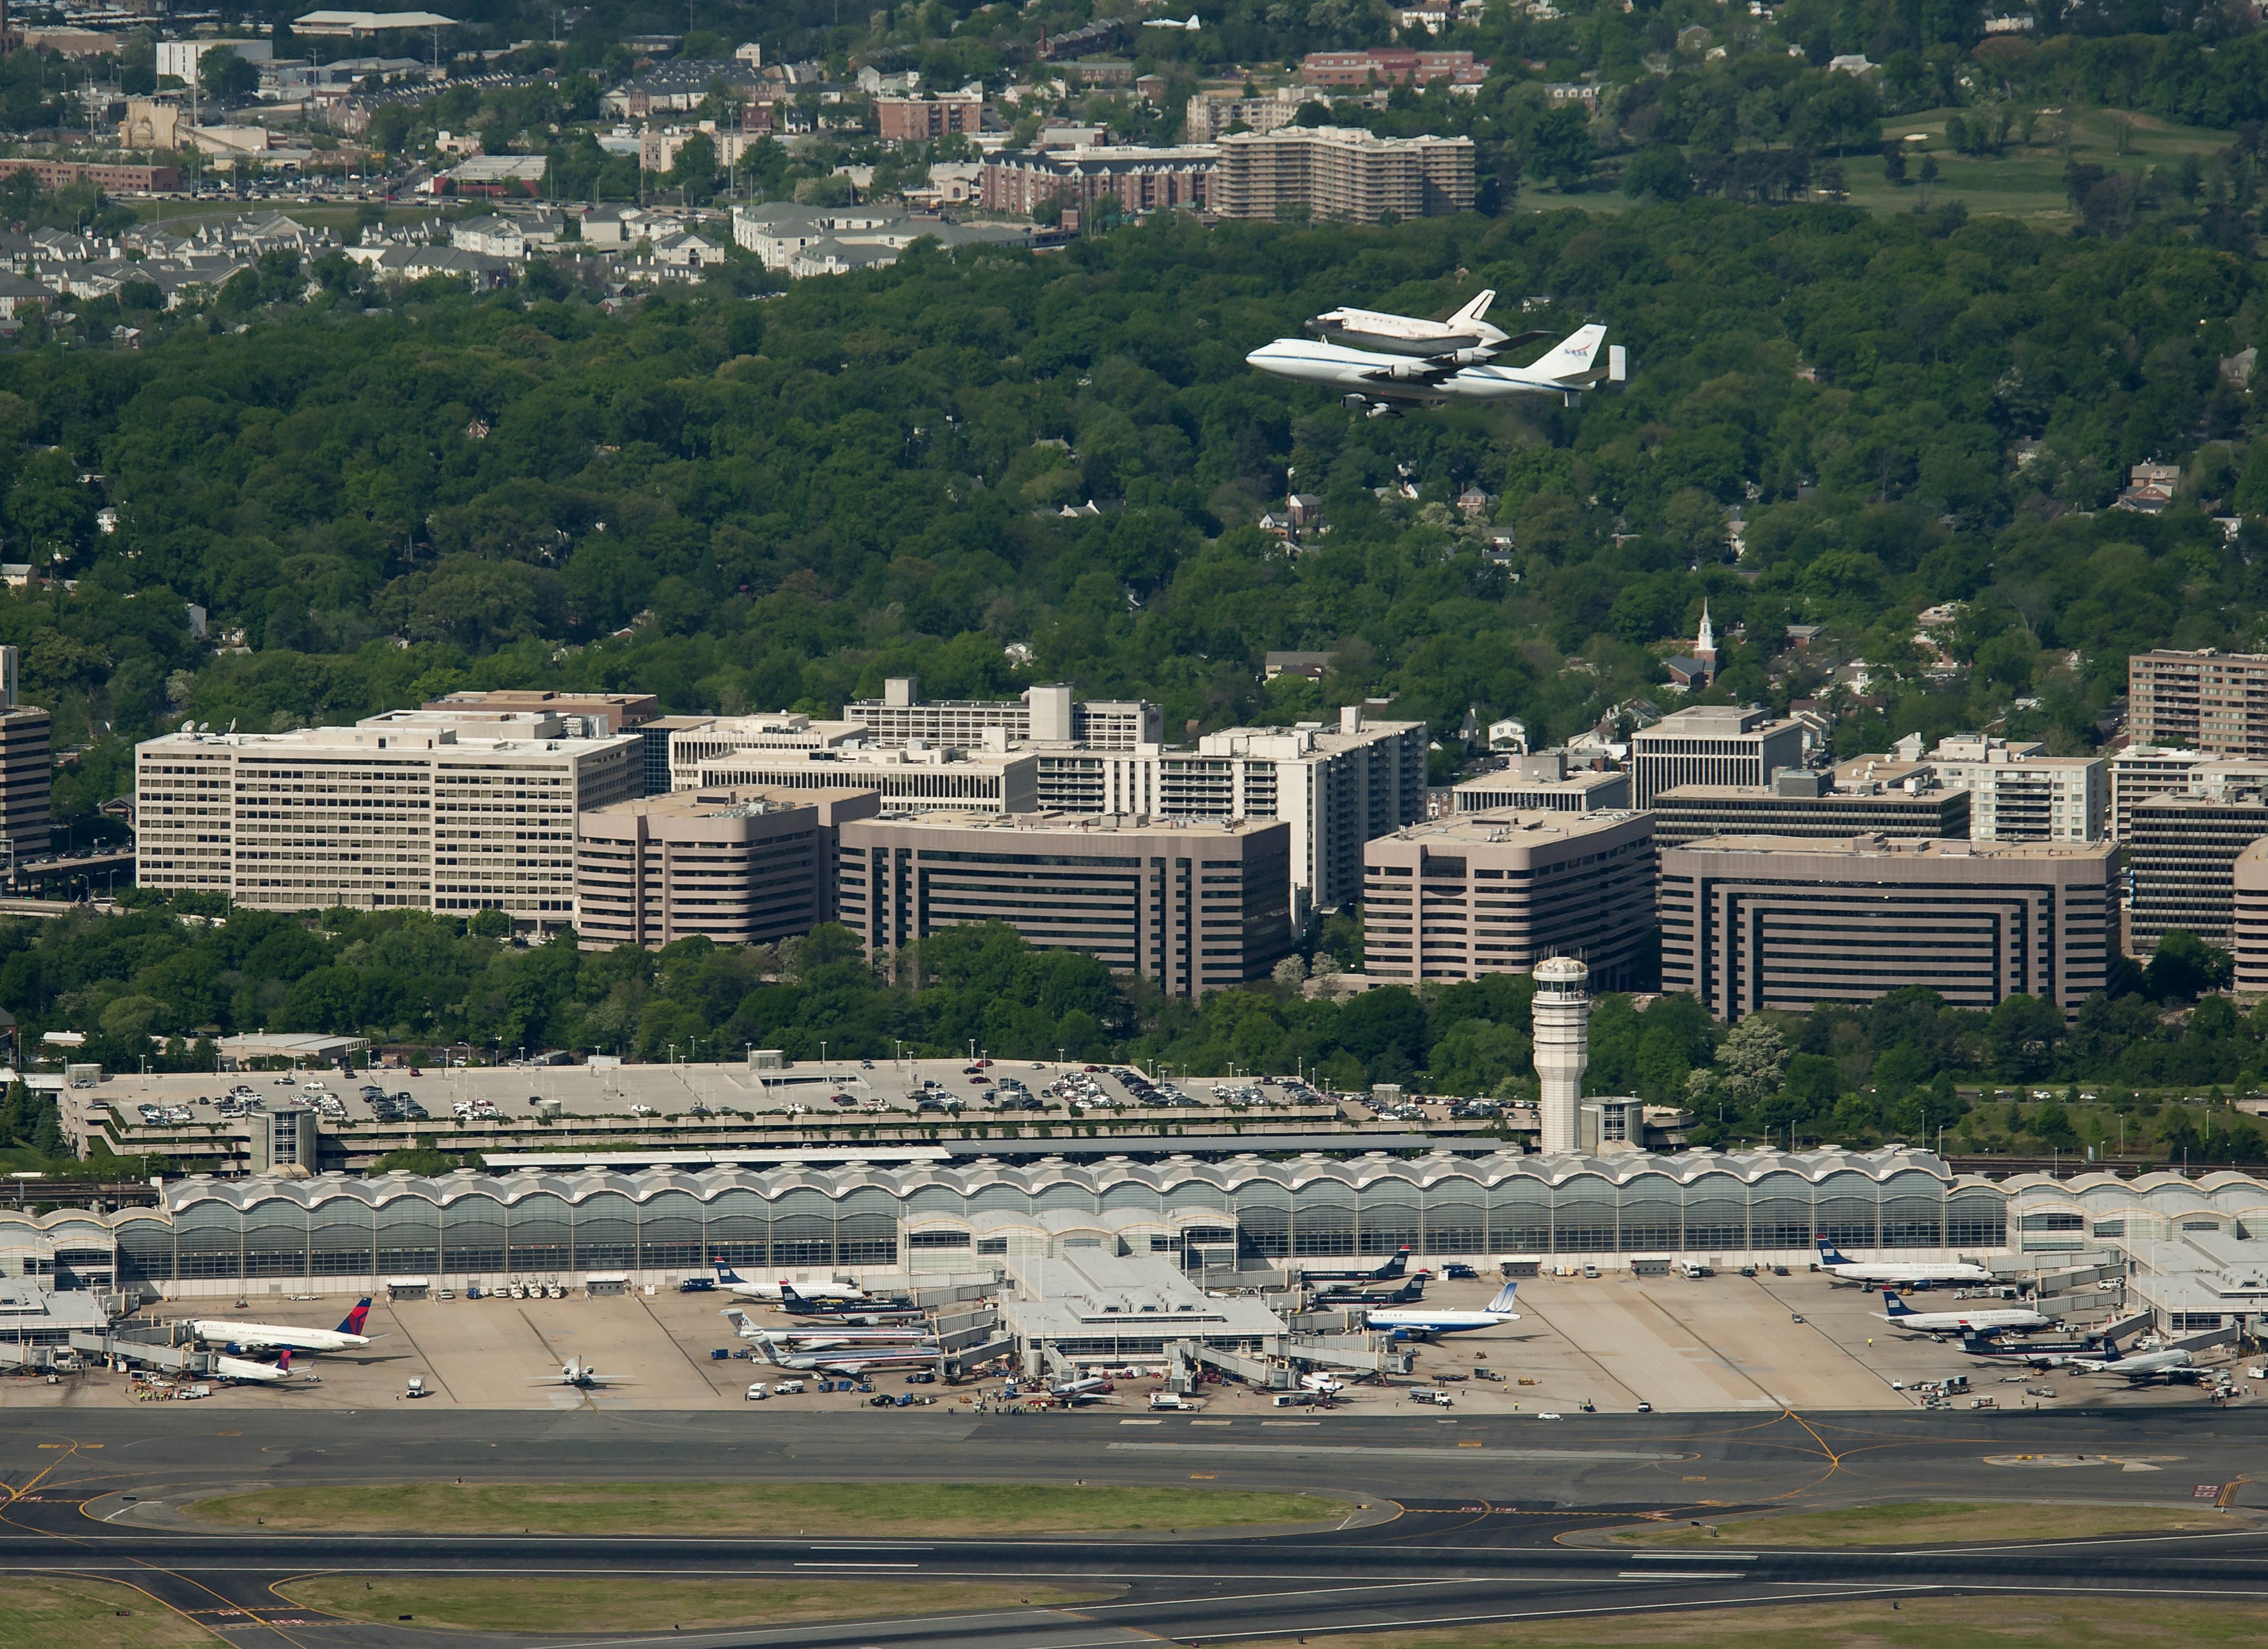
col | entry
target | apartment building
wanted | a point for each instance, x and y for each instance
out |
(920, 120)
(1498, 892)
(1048, 714)
(1712, 744)
(2019, 794)
(602, 713)
(1342, 172)
(2181, 854)
(2140, 771)
(1336, 788)
(1212, 112)
(997, 780)
(1195, 905)
(1138, 179)
(409, 810)
(26, 767)
(737, 867)
(2207, 700)
(1385, 65)
(1797, 803)
(1756, 921)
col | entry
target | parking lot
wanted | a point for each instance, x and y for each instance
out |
(1714, 1343)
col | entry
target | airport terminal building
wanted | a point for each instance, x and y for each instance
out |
(332, 1234)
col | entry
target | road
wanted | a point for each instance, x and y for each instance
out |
(1470, 1520)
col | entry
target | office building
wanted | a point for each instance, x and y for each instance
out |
(2181, 857)
(1541, 782)
(1749, 923)
(653, 750)
(2211, 701)
(1712, 744)
(2140, 771)
(1046, 715)
(1194, 906)
(2019, 794)
(1496, 893)
(997, 780)
(719, 740)
(1336, 788)
(737, 867)
(2249, 877)
(27, 768)
(411, 810)
(603, 714)
(1342, 172)
(1134, 178)
(1797, 803)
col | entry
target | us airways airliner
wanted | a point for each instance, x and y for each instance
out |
(1896, 1273)
(1424, 1321)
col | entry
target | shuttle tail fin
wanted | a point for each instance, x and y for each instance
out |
(726, 1273)
(1830, 1254)
(1475, 310)
(1893, 1306)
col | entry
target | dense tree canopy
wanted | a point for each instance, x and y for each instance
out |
(752, 504)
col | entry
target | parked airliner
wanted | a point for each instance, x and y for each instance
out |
(1418, 1322)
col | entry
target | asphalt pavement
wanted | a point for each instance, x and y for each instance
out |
(1471, 1521)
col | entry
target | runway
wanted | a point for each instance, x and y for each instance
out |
(1478, 1517)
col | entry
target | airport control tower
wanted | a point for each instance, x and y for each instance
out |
(1561, 1016)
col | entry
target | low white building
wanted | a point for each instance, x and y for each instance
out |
(1092, 1303)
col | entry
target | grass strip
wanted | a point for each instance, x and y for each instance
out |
(1932, 1523)
(591, 1603)
(2000, 1621)
(67, 1612)
(756, 1508)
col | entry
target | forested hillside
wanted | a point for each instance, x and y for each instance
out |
(757, 504)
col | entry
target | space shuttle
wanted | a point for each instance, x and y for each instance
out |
(1462, 329)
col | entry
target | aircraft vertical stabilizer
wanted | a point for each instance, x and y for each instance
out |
(1575, 357)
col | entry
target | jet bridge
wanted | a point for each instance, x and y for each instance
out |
(111, 1347)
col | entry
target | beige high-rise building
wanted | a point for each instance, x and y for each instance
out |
(1756, 921)
(1195, 906)
(737, 867)
(405, 810)
(1339, 171)
(1497, 892)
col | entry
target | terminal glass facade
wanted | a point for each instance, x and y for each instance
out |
(474, 1225)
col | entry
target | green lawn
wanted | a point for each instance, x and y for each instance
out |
(1935, 1523)
(590, 1603)
(2025, 181)
(749, 1508)
(53, 1612)
(1916, 1623)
